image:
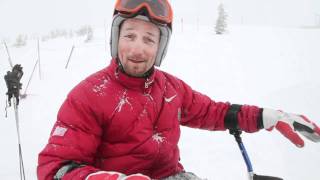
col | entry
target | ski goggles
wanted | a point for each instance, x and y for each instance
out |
(158, 10)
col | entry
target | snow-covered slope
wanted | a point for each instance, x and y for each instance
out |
(268, 67)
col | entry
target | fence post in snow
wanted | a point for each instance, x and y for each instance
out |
(105, 36)
(9, 57)
(69, 57)
(181, 24)
(198, 24)
(39, 59)
(24, 95)
(317, 19)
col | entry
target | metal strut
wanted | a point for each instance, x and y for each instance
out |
(252, 176)
(21, 165)
(12, 79)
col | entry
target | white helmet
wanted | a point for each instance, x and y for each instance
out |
(157, 12)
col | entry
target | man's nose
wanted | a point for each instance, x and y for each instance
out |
(138, 49)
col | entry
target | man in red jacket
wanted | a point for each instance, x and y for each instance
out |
(123, 122)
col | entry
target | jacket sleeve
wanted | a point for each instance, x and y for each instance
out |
(74, 137)
(199, 111)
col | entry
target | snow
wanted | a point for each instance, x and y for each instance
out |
(266, 66)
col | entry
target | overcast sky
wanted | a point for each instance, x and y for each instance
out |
(41, 16)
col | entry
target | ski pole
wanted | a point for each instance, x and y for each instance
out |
(16, 113)
(252, 176)
(9, 57)
(13, 84)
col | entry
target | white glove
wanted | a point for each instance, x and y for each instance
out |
(289, 124)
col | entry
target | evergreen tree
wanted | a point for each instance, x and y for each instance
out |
(20, 41)
(221, 24)
(89, 34)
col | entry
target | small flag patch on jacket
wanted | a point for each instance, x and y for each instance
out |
(59, 131)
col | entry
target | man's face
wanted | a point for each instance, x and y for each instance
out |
(138, 45)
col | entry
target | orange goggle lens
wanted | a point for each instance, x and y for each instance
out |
(159, 10)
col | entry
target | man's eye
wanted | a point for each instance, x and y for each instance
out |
(149, 40)
(129, 36)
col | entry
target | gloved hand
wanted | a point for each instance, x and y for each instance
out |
(289, 124)
(111, 175)
(12, 79)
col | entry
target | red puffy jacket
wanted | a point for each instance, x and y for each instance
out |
(114, 122)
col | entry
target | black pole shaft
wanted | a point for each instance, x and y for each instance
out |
(9, 57)
(21, 165)
(34, 68)
(69, 57)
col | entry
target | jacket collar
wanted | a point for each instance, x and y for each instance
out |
(130, 82)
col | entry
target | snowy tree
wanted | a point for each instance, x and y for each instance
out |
(221, 24)
(58, 33)
(89, 34)
(45, 38)
(20, 41)
(82, 31)
(70, 34)
(86, 31)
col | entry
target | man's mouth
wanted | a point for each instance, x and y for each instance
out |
(135, 60)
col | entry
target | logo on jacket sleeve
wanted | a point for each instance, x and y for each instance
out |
(169, 99)
(59, 131)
